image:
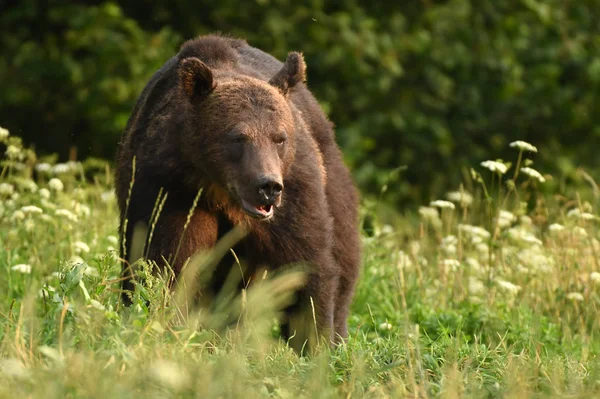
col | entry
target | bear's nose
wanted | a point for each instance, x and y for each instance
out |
(269, 188)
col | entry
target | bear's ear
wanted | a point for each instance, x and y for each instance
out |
(292, 73)
(195, 78)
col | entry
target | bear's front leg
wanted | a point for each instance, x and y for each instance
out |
(171, 241)
(310, 322)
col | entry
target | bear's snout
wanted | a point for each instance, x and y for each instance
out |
(269, 189)
(266, 195)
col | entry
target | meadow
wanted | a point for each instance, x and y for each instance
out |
(488, 292)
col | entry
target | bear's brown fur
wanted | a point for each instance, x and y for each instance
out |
(231, 119)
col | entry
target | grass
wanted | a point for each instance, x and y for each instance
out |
(495, 294)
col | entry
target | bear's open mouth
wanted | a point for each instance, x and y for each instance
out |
(258, 212)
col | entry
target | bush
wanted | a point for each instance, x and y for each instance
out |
(430, 85)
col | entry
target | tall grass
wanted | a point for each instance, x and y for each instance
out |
(493, 291)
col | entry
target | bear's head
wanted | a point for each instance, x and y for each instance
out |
(239, 134)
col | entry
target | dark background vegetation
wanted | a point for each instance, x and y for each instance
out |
(437, 86)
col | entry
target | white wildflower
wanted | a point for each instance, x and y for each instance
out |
(483, 249)
(556, 228)
(474, 265)
(573, 213)
(27, 185)
(577, 214)
(476, 287)
(495, 166)
(81, 209)
(508, 251)
(13, 152)
(442, 204)
(44, 193)
(387, 229)
(56, 185)
(534, 174)
(523, 146)
(48, 204)
(521, 235)
(535, 260)
(76, 260)
(508, 287)
(60, 168)
(43, 167)
(461, 197)
(522, 269)
(450, 250)
(430, 215)
(18, 215)
(6, 189)
(32, 209)
(80, 246)
(595, 277)
(22, 268)
(505, 218)
(29, 225)
(449, 240)
(449, 244)
(3, 133)
(474, 231)
(66, 214)
(575, 296)
(404, 261)
(476, 240)
(107, 196)
(113, 240)
(450, 264)
(385, 326)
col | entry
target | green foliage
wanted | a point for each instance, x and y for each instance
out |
(430, 85)
(481, 298)
(478, 297)
(72, 72)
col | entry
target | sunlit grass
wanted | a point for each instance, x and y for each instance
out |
(489, 292)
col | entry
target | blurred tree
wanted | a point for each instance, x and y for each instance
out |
(434, 85)
(71, 72)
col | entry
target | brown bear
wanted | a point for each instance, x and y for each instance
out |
(230, 119)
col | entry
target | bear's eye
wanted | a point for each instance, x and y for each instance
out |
(280, 139)
(239, 139)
